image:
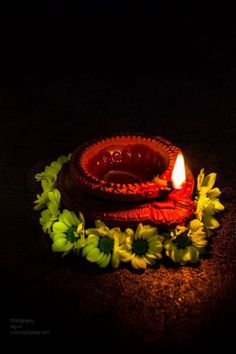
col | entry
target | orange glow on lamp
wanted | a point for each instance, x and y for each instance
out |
(179, 175)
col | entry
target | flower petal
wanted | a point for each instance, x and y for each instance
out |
(87, 249)
(68, 248)
(167, 244)
(115, 260)
(210, 222)
(81, 218)
(180, 229)
(138, 263)
(199, 241)
(209, 181)
(148, 231)
(194, 254)
(94, 255)
(138, 231)
(80, 228)
(45, 215)
(57, 236)
(200, 179)
(99, 223)
(59, 227)
(177, 255)
(186, 256)
(68, 218)
(125, 255)
(214, 193)
(194, 225)
(218, 205)
(92, 239)
(105, 260)
(59, 245)
(129, 243)
(53, 207)
(55, 196)
(149, 260)
(129, 232)
(151, 255)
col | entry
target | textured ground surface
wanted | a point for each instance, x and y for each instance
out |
(48, 106)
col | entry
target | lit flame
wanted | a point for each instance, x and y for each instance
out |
(178, 174)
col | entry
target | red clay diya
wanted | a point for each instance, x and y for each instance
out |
(127, 179)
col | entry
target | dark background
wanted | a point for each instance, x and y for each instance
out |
(73, 73)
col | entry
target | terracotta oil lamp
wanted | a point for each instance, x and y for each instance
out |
(127, 179)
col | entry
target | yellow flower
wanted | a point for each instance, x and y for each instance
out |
(53, 169)
(68, 232)
(186, 243)
(141, 247)
(102, 245)
(48, 179)
(208, 202)
(50, 215)
(42, 199)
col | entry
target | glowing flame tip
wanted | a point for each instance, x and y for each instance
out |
(178, 174)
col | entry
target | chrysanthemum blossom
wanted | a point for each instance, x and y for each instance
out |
(208, 203)
(50, 215)
(186, 243)
(142, 247)
(48, 179)
(68, 232)
(102, 245)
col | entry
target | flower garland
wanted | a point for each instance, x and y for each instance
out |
(143, 246)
